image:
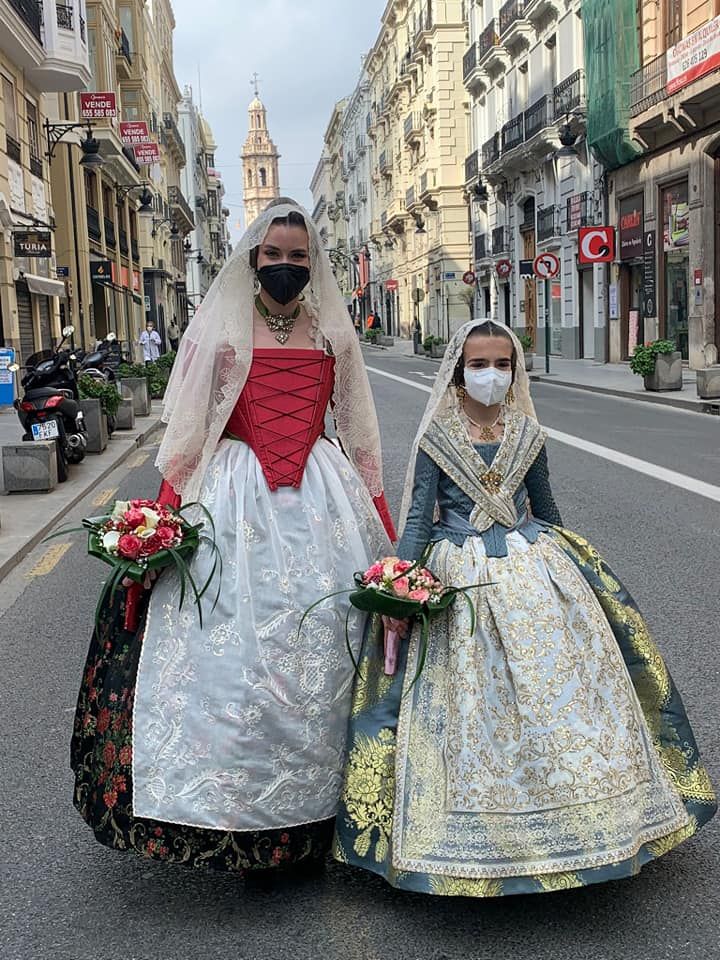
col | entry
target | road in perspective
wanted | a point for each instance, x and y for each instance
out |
(68, 898)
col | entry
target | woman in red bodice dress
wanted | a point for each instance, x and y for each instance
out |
(223, 745)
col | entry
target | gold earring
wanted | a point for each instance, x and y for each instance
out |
(258, 285)
(510, 396)
(461, 393)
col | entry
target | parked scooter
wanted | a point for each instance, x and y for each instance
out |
(49, 409)
(101, 364)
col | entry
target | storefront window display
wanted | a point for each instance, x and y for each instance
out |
(676, 256)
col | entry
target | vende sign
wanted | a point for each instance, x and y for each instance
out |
(133, 132)
(146, 153)
(694, 56)
(98, 106)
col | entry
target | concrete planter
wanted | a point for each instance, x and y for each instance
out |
(96, 425)
(529, 361)
(708, 383)
(30, 467)
(385, 341)
(668, 373)
(125, 416)
(138, 390)
(437, 350)
(419, 350)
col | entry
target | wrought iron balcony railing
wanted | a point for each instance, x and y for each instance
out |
(513, 133)
(31, 14)
(537, 117)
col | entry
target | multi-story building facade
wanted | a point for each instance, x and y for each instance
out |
(336, 210)
(207, 246)
(665, 193)
(43, 50)
(417, 129)
(261, 172)
(524, 74)
(320, 186)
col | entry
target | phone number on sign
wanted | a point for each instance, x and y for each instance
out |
(693, 61)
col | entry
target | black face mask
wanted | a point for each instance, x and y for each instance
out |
(284, 281)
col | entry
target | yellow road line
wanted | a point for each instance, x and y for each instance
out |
(105, 496)
(138, 460)
(49, 560)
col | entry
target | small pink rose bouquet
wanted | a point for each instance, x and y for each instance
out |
(402, 590)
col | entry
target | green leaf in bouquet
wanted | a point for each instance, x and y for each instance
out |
(356, 665)
(338, 593)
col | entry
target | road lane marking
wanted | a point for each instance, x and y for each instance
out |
(421, 373)
(138, 460)
(672, 477)
(105, 496)
(48, 561)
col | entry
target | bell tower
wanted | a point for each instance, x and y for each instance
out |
(261, 179)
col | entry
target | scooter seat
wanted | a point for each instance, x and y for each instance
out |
(40, 392)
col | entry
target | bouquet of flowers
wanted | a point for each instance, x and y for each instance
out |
(401, 590)
(140, 536)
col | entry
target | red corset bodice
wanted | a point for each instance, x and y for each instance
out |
(281, 411)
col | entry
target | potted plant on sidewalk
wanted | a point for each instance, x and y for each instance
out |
(526, 342)
(659, 363)
(434, 347)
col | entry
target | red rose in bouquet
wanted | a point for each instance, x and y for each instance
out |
(129, 546)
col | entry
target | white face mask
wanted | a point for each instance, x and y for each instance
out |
(488, 386)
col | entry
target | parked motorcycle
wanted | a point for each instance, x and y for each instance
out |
(49, 408)
(101, 364)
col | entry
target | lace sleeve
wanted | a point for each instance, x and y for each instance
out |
(537, 482)
(420, 516)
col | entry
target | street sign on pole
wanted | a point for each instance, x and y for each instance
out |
(596, 244)
(526, 270)
(546, 266)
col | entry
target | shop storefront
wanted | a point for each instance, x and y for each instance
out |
(676, 264)
(631, 219)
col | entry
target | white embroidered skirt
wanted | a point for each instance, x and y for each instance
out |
(241, 724)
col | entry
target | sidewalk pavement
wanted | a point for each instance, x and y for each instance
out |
(612, 379)
(25, 518)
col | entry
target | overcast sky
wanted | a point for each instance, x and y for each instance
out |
(307, 54)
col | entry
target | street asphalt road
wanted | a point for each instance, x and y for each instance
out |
(64, 897)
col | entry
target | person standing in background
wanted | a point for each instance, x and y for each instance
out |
(150, 342)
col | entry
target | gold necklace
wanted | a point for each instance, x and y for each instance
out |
(277, 323)
(487, 433)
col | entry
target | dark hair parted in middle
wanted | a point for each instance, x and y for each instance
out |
(293, 219)
(486, 329)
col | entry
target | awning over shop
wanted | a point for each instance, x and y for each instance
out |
(44, 286)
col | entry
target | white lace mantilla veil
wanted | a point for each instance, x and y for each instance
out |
(444, 398)
(215, 354)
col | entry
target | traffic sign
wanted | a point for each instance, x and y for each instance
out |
(503, 268)
(469, 278)
(546, 266)
(526, 269)
(596, 244)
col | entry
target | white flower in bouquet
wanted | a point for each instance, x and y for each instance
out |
(110, 541)
(121, 507)
(152, 518)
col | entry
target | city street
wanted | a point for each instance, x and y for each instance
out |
(641, 481)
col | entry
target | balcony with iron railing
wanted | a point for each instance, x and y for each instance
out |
(36, 165)
(134, 249)
(181, 208)
(123, 60)
(487, 40)
(385, 163)
(648, 85)
(362, 192)
(491, 150)
(548, 225)
(410, 197)
(512, 133)
(110, 239)
(383, 219)
(93, 221)
(31, 14)
(173, 134)
(513, 24)
(569, 95)
(351, 160)
(472, 167)
(423, 27)
(498, 240)
(481, 246)
(64, 16)
(360, 144)
(537, 117)
(413, 126)
(470, 61)
(123, 237)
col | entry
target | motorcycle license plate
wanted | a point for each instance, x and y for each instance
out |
(45, 431)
